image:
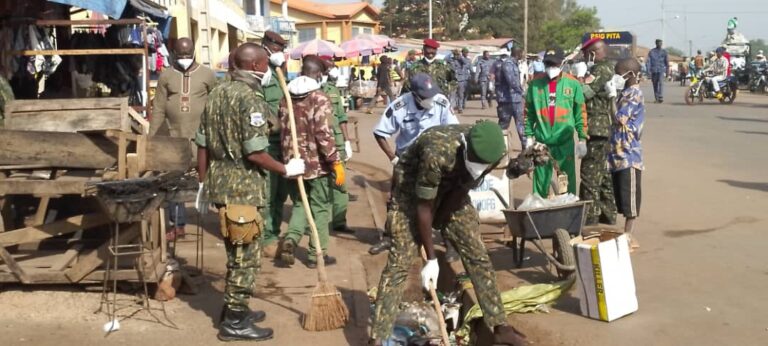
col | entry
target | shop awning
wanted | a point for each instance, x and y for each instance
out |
(116, 8)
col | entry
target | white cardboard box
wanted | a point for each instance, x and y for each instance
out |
(605, 281)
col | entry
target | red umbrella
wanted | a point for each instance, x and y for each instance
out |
(317, 47)
(380, 40)
(360, 47)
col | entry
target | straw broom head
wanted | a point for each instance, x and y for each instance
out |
(327, 311)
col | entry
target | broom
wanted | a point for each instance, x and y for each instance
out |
(327, 310)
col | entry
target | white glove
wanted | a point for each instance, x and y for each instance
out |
(348, 149)
(395, 161)
(429, 274)
(277, 59)
(529, 142)
(200, 203)
(580, 69)
(294, 167)
(581, 149)
(610, 88)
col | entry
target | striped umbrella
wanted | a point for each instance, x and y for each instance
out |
(317, 47)
(360, 47)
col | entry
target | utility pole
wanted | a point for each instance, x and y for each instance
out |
(430, 18)
(525, 26)
(685, 22)
(662, 21)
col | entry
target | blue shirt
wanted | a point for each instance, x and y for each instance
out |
(404, 118)
(626, 150)
(658, 61)
(507, 80)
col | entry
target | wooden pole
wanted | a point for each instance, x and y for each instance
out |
(436, 304)
(525, 27)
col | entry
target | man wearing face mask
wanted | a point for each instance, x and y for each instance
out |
(509, 93)
(554, 111)
(434, 177)
(440, 71)
(233, 163)
(182, 92)
(599, 93)
(278, 186)
(408, 117)
(314, 113)
(339, 194)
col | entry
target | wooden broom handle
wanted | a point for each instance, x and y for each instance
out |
(436, 303)
(322, 275)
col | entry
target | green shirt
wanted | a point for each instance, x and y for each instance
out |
(273, 94)
(570, 111)
(598, 104)
(234, 125)
(339, 115)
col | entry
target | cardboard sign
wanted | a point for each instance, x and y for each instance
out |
(605, 281)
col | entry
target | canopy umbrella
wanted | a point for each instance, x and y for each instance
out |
(360, 47)
(382, 41)
(317, 47)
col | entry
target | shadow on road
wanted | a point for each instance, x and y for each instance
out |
(744, 119)
(747, 184)
(754, 132)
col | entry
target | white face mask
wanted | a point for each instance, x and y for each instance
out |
(619, 81)
(553, 72)
(591, 60)
(185, 63)
(324, 80)
(263, 77)
(475, 169)
(424, 103)
(334, 73)
(430, 60)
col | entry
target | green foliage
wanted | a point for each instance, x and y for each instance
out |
(674, 51)
(560, 22)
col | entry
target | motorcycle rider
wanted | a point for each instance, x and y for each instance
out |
(719, 68)
(760, 57)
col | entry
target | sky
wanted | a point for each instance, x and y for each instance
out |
(700, 21)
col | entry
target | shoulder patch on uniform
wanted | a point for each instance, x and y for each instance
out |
(257, 119)
(441, 101)
(399, 104)
(389, 112)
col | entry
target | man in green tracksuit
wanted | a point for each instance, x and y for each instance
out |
(339, 194)
(554, 110)
(278, 185)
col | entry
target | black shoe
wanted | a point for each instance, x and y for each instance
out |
(329, 261)
(287, 252)
(253, 316)
(382, 246)
(236, 326)
(344, 229)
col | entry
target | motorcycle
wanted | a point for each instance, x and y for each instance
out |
(701, 88)
(758, 81)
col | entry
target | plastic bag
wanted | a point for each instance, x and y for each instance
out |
(532, 201)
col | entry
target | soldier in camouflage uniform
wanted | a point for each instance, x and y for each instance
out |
(278, 185)
(339, 194)
(314, 112)
(6, 96)
(434, 177)
(596, 183)
(440, 71)
(233, 164)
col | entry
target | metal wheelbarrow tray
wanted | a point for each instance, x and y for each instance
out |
(557, 223)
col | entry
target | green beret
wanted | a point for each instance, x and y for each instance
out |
(486, 140)
(465, 49)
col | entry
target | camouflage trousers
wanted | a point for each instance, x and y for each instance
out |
(242, 264)
(597, 184)
(461, 229)
(278, 195)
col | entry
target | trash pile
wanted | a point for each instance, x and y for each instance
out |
(534, 201)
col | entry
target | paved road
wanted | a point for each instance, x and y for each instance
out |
(701, 273)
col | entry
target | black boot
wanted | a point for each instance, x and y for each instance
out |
(253, 316)
(287, 252)
(237, 326)
(380, 247)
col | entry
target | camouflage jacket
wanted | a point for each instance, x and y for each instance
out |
(273, 94)
(339, 116)
(433, 168)
(6, 96)
(232, 127)
(598, 104)
(314, 114)
(441, 72)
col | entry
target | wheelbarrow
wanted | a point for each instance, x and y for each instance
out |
(558, 223)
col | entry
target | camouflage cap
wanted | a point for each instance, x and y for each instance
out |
(486, 140)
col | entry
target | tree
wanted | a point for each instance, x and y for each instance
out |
(567, 33)
(675, 51)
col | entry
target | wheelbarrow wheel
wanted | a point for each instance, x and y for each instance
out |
(563, 252)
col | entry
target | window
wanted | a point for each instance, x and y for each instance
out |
(307, 34)
(357, 30)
